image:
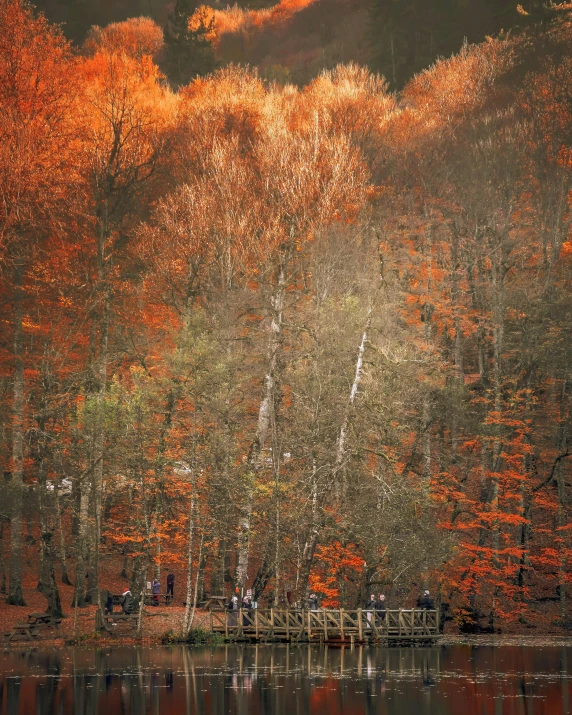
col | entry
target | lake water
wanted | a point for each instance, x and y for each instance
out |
(287, 680)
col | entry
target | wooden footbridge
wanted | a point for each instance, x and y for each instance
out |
(326, 626)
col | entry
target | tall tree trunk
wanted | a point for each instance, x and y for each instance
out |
(315, 528)
(265, 413)
(62, 549)
(311, 542)
(15, 595)
(47, 584)
(2, 563)
(192, 526)
(98, 457)
(341, 446)
(561, 512)
(82, 546)
(100, 356)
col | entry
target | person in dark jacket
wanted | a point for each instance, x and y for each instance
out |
(246, 606)
(380, 606)
(170, 587)
(370, 608)
(426, 602)
(108, 602)
(313, 602)
(127, 603)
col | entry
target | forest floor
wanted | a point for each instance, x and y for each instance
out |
(157, 621)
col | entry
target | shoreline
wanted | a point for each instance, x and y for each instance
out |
(472, 641)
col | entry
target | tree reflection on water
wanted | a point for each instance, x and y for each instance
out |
(287, 680)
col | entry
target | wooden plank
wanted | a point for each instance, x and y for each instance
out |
(360, 625)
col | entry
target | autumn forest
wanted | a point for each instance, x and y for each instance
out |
(287, 337)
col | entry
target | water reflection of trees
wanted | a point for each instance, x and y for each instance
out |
(282, 680)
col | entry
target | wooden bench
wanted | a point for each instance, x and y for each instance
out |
(22, 629)
(161, 598)
(109, 620)
(43, 620)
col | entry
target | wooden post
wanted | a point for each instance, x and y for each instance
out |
(288, 625)
(256, 621)
(325, 626)
(309, 625)
(342, 623)
(211, 619)
(226, 623)
(360, 625)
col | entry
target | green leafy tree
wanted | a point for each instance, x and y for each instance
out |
(189, 51)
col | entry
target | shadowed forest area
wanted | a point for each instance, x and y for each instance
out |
(288, 337)
(295, 40)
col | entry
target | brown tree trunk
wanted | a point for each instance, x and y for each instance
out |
(15, 595)
(81, 551)
(62, 549)
(47, 504)
(2, 563)
(47, 584)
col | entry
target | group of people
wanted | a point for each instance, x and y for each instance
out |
(377, 604)
(246, 604)
(156, 589)
(128, 602)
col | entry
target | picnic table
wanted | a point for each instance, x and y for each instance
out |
(161, 598)
(116, 600)
(43, 620)
(108, 621)
(35, 623)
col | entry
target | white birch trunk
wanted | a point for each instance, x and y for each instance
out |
(340, 452)
(263, 427)
(189, 597)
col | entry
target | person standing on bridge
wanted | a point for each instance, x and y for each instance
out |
(426, 602)
(370, 608)
(313, 602)
(246, 606)
(233, 608)
(380, 610)
(380, 605)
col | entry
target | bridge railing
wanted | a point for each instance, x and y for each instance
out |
(326, 623)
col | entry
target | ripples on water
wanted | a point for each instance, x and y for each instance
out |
(287, 680)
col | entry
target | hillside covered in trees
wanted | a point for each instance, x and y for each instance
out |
(288, 337)
(295, 40)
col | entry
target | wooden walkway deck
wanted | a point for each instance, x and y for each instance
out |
(327, 626)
